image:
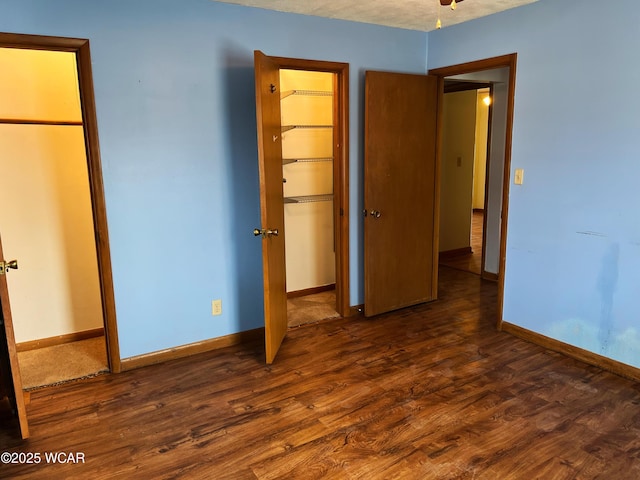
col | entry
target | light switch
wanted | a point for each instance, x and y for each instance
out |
(519, 177)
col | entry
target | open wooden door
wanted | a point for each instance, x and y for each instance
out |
(400, 191)
(10, 381)
(267, 73)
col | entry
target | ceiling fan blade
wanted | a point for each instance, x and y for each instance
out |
(446, 3)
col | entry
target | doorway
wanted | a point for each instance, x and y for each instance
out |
(464, 153)
(56, 215)
(300, 178)
(497, 73)
(307, 118)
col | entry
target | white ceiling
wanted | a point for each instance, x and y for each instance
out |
(409, 14)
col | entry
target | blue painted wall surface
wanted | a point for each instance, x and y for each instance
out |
(573, 244)
(175, 100)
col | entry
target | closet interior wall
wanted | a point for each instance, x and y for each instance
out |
(46, 219)
(307, 152)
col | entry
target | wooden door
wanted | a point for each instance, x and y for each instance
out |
(10, 381)
(400, 180)
(267, 73)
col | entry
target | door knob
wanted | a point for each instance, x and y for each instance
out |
(4, 266)
(265, 232)
(375, 213)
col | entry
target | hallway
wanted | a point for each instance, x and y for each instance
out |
(471, 262)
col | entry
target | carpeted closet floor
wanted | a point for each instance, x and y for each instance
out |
(62, 363)
(311, 308)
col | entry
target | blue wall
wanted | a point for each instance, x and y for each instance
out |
(573, 244)
(176, 113)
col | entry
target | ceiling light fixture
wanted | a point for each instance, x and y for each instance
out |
(452, 3)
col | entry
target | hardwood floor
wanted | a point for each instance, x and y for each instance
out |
(428, 392)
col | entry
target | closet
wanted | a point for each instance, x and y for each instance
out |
(45, 210)
(46, 215)
(307, 117)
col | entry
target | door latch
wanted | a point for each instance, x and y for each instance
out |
(4, 266)
(265, 232)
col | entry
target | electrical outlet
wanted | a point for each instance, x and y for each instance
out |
(216, 307)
